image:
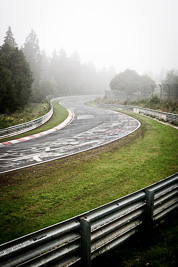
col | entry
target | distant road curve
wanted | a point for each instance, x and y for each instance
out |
(91, 127)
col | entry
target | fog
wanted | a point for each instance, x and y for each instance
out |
(136, 34)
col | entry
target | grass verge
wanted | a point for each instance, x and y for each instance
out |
(60, 114)
(42, 195)
(31, 112)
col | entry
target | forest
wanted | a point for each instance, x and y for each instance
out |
(27, 74)
(142, 86)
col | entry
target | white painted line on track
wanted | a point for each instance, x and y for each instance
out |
(85, 117)
(36, 158)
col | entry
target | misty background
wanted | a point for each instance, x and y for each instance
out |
(135, 34)
(79, 47)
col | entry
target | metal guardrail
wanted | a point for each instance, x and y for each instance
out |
(27, 126)
(169, 117)
(80, 239)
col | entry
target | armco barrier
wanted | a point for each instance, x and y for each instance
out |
(169, 117)
(27, 126)
(80, 239)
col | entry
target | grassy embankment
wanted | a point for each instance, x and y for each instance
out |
(46, 194)
(60, 114)
(30, 112)
(155, 103)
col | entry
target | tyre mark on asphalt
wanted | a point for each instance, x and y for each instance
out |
(97, 136)
(92, 127)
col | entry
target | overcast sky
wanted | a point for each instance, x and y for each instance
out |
(135, 34)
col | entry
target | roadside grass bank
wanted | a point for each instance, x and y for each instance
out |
(31, 112)
(60, 114)
(46, 194)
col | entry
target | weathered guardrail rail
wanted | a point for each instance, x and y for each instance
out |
(80, 239)
(167, 117)
(170, 117)
(27, 126)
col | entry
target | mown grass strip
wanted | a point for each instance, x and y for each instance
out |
(39, 196)
(60, 114)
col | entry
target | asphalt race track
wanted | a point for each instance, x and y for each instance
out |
(90, 128)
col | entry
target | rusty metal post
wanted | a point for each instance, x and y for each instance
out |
(85, 227)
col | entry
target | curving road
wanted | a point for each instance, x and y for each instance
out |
(91, 127)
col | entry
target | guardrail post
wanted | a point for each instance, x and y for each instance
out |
(85, 227)
(147, 219)
(149, 206)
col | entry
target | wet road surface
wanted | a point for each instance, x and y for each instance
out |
(90, 128)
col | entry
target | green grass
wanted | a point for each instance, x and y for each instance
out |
(60, 114)
(155, 103)
(39, 196)
(30, 112)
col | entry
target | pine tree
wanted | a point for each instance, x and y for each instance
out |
(9, 39)
(15, 79)
(31, 50)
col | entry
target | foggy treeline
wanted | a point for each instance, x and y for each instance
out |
(64, 75)
(56, 75)
(27, 74)
(60, 75)
(131, 82)
(135, 86)
(15, 76)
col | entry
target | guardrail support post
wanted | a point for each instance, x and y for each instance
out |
(147, 225)
(149, 206)
(85, 227)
